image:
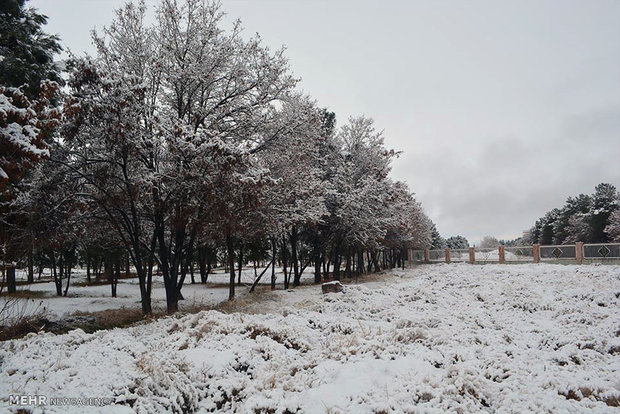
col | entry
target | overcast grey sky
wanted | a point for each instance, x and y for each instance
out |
(502, 108)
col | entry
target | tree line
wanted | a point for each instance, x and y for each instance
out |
(585, 218)
(593, 218)
(182, 145)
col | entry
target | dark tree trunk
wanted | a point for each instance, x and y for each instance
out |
(258, 278)
(88, 269)
(145, 274)
(57, 274)
(30, 266)
(169, 258)
(317, 260)
(10, 280)
(209, 266)
(108, 267)
(114, 276)
(375, 261)
(317, 268)
(240, 264)
(326, 265)
(172, 297)
(68, 274)
(191, 272)
(337, 262)
(273, 263)
(360, 262)
(284, 264)
(203, 259)
(231, 260)
(297, 275)
(187, 263)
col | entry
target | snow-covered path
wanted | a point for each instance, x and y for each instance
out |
(461, 338)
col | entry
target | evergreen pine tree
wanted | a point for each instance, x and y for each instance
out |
(26, 51)
(457, 242)
(438, 242)
(604, 202)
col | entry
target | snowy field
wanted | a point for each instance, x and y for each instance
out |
(95, 298)
(435, 338)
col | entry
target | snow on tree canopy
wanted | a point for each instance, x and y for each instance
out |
(20, 140)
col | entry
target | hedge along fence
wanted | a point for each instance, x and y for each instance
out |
(571, 253)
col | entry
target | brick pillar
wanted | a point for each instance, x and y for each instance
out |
(409, 257)
(472, 255)
(536, 253)
(427, 256)
(447, 255)
(579, 252)
(502, 255)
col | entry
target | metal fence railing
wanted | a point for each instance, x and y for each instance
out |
(519, 254)
(486, 255)
(552, 253)
(601, 251)
(417, 255)
(437, 255)
(459, 255)
(569, 253)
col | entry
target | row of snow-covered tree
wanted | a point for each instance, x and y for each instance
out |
(452, 242)
(586, 218)
(182, 144)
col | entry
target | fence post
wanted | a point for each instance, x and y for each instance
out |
(427, 256)
(447, 255)
(502, 256)
(536, 252)
(579, 252)
(472, 255)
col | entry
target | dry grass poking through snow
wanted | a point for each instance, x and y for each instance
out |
(459, 338)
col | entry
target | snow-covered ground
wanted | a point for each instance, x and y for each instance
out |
(95, 298)
(435, 338)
